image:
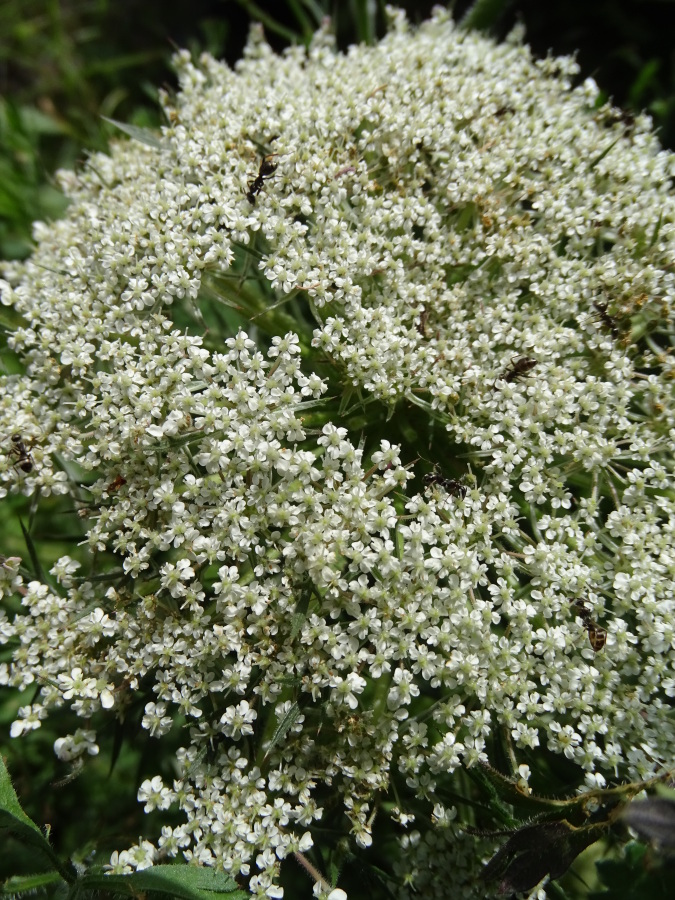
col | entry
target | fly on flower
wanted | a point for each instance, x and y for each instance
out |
(519, 368)
(597, 635)
(116, 484)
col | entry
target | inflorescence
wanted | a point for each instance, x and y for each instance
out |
(474, 236)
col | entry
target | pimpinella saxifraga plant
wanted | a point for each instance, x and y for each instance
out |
(234, 347)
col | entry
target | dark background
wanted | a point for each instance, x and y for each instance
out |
(628, 45)
(65, 63)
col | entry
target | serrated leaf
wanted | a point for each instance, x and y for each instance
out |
(142, 135)
(11, 814)
(184, 882)
(284, 727)
(535, 851)
(15, 819)
(298, 619)
(23, 884)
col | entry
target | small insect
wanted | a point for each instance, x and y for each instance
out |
(116, 484)
(452, 487)
(597, 635)
(23, 459)
(608, 321)
(519, 368)
(422, 324)
(345, 170)
(267, 169)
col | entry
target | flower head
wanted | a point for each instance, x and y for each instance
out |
(479, 242)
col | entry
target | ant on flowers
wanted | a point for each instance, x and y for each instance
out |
(449, 485)
(266, 170)
(21, 453)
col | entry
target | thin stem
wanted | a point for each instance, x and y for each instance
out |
(311, 870)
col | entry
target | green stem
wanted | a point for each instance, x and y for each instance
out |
(256, 12)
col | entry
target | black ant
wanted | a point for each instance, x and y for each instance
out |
(519, 368)
(452, 487)
(267, 169)
(608, 321)
(24, 460)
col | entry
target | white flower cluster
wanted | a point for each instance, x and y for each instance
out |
(434, 859)
(476, 239)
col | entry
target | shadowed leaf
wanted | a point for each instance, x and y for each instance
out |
(535, 851)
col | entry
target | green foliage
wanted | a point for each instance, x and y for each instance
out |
(637, 874)
(483, 15)
(180, 881)
(26, 193)
(545, 835)
(15, 819)
(63, 879)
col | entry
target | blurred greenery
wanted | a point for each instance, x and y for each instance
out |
(638, 873)
(66, 63)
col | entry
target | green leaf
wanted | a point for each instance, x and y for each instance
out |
(484, 14)
(284, 726)
(24, 884)
(635, 876)
(363, 17)
(32, 552)
(603, 153)
(645, 83)
(535, 851)
(35, 122)
(21, 825)
(142, 135)
(257, 13)
(655, 233)
(181, 881)
(11, 814)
